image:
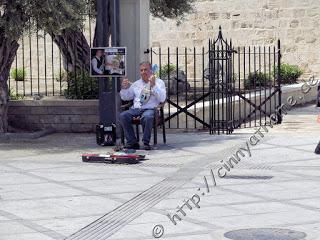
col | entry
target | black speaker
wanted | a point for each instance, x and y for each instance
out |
(106, 135)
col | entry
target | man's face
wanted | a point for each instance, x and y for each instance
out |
(99, 53)
(145, 72)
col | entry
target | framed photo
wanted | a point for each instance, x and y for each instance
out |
(108, 62)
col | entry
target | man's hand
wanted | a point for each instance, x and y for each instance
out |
(125, 83)
(152, 80)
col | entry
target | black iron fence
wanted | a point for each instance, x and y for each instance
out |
(40, 68)
(218, 87)
(184, 73)
(258, 69)
(244, 85)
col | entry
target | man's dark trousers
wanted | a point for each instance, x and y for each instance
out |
(147, 118)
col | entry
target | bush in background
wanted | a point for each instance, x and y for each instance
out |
(61, 76)
(165, 69)
(256, 80)
(289, 73)
(18, 74)
(81, 86)
(14, 96)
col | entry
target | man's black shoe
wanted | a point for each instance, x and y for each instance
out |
(147, 147)
(133, 146)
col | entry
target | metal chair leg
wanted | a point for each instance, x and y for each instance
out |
(164, 133)
(155, 133)
(137, 132)
(163, 126)
(122, 135)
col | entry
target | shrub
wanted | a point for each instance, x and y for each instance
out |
(256, 79)
(289, 73)
(81, 86)
(164, 70)
(14, 96)
(18, 74)
(63, 75)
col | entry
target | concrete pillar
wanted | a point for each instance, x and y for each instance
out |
(134, 33)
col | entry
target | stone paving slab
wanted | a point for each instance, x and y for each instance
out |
(44, 183)
(290, 199)
(46, 192)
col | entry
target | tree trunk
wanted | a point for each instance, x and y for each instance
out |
(8, 50)
(74, 48)
(102, 31)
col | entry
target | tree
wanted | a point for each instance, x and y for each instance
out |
(63, 20)
(172, 9)
(15, 16)
(69, 40)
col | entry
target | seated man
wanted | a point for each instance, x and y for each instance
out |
(146, 93)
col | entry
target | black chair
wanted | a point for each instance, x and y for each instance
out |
(158, 121)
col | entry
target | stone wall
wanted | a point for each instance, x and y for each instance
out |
(247, 22)
(63, 116)
(82, 116)
(250, 22)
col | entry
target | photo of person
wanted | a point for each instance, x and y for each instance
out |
(108, 62)
(97, 62)
(115, 61)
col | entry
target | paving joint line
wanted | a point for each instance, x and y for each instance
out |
(31, 225)
(183, 174)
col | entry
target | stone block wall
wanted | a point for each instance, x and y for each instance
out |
(64, 116)
(250, 22)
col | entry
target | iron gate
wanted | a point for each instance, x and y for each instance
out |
(223, 88)
(245, 85)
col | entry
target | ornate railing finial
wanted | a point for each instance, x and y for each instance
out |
(220, 33)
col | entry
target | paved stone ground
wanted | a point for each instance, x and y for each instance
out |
(46, 192)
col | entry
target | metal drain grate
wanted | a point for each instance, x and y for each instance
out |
(248, 177)
(265, 167)
(265, 234)
(163, 165)
(243, 166)
(108, 224)
(111, 222)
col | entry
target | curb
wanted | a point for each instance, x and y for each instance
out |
(26, 136)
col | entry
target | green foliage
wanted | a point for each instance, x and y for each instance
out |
(50, 16)
(53, 16)
(63, 76)
(18, 74)
(165, 69)
(256, 79)
(14, 96)
(289, 73)
(173, 9)
(81, 86)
